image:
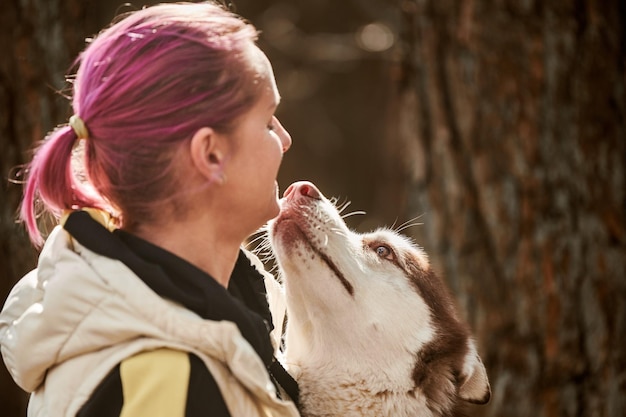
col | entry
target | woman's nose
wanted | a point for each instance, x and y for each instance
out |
(285, 137)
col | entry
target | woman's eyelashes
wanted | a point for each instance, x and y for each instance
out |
(271, 126)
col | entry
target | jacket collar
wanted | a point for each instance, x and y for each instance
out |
(176, 279)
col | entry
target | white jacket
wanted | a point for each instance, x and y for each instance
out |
(66, 324)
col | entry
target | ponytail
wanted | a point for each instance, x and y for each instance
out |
(50, 179)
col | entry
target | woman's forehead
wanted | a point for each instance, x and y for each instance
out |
(263, 73)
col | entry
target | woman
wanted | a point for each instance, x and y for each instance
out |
(143, 302)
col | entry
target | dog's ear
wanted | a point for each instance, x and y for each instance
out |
(473, 382)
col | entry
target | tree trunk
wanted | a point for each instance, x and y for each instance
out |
(510, 122)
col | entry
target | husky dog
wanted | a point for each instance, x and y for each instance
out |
(371, 330)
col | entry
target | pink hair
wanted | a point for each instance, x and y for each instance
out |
(144, 85)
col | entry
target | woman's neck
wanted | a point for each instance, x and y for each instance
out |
(200, 243)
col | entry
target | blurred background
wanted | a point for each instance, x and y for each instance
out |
(500, 125)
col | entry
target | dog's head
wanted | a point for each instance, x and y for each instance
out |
(369, 302)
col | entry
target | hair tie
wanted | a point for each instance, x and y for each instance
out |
(79, 127)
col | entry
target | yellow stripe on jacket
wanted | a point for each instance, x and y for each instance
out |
(155, 384)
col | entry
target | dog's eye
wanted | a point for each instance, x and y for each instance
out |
(384, 251)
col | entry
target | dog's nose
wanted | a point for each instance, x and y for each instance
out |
(302, 188)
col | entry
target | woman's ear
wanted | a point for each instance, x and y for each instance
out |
(207, 149)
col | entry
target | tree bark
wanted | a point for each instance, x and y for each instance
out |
(510, 123)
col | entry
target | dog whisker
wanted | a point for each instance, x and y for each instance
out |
(409, 223)
(343, 206)
(256, 239)
(338, 232)
(353, 213)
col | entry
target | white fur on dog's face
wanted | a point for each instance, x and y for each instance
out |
(370, 330)
(335, 278)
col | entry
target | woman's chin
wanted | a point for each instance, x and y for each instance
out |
(272, 211)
